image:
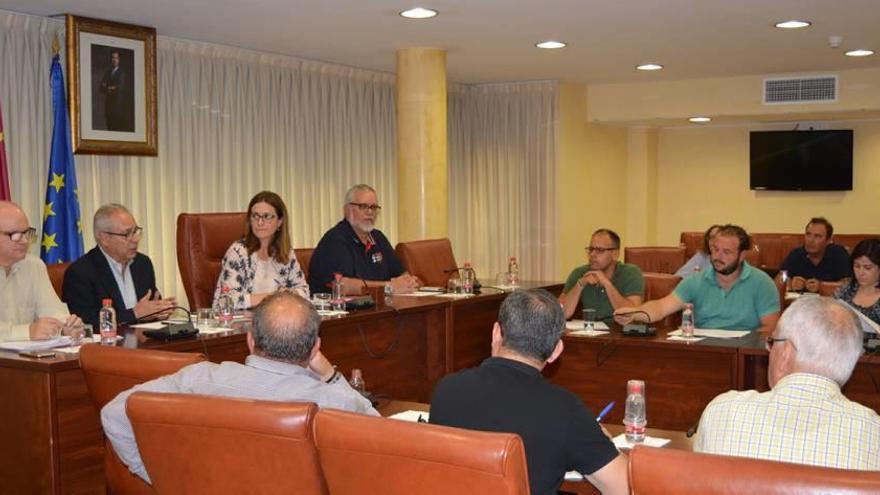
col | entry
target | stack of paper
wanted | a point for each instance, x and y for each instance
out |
(35, 345)
(718, 334)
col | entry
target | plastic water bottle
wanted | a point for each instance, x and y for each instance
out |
(107, 322)
(785, 279)
(357, 381)
(687, 321)
(338, 298)
(512, 271)
(467, 278)
(635, 419)
(225, 308)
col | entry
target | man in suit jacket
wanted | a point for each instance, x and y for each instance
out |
(114, 86)
(115, 269)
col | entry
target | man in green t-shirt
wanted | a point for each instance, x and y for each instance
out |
(604, 284)
(730, 295)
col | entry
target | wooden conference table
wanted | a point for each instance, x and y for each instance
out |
(52, 440)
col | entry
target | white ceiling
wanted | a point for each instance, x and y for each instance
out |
(493, 40)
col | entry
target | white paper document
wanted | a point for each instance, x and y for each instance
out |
(207, 330)
(412, 416)
(35, 345)
(417, 294)
(327, 312)
(579, 325)
(621, 443)
(709, 332)
(587, 333)
(156, 325)
(868, 325)
(682, 338)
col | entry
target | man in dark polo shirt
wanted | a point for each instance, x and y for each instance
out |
(508, 393)
(357, 250)
(818, 260)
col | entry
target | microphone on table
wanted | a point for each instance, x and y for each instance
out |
(172, 330)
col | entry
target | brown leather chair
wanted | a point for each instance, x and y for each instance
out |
(111, 370)
(659, 259)
(774, 248)
(691, 242)
(430, 260)
(56, 276)
(364, 454)
(202, 240)
(197, 444)
(658, 285)
(655, 471)
(304, 257)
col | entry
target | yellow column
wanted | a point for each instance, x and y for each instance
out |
(422, 190)
(641, 193)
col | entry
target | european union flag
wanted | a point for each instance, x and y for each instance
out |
(62, 230)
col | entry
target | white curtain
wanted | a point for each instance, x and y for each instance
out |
(232, 122)
(502, 176)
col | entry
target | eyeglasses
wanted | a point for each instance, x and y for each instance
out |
(771, 341)
(18, 235)
(600, 250)
(365, 207)
(265, 217)
(128, 234)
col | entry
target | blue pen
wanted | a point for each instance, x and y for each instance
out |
(605, 411)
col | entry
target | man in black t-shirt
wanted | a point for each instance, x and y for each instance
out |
(358, 250)
(507, 393)
(818, 260)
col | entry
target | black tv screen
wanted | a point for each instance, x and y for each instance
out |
(801, 160)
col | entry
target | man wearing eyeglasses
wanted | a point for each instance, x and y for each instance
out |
(29, 306)
(604, 284)
(358, 250)
(115, 269)
(804, 418)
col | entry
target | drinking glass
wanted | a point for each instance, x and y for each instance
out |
(321, 301)
(589, 318)
(205, 317)
(453, 286)
(502, 279)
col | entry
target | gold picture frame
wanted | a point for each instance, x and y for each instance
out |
(111, 69)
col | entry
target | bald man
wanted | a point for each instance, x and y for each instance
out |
(285, 364)
(29, 306)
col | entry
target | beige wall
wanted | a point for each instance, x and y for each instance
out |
(704, 178)
(591, 174)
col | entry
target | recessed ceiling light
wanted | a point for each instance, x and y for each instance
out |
(418, 13)
(649, 67)
(700, 120)
(551, 45)
(860, 53)
(793, 24)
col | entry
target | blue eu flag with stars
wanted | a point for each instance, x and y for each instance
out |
(62, 230)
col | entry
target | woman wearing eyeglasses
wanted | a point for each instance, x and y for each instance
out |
(863, 290)
(263, 261)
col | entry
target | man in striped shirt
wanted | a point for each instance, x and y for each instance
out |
(805, 418)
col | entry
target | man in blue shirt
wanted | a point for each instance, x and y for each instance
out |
(818, 259)
(731, 295)
(359, 251)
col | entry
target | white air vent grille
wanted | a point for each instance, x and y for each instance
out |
(800, 90)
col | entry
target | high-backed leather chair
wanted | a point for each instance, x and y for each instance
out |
(364, 454)
(304, 257)
(655, 471)
(56, 276)
(431, 260)
(691, 242)
(198, 444)
(658, 285)
(202, 240)
(110, 370)
(774, 248)
(659, 259)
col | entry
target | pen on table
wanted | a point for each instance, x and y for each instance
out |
(605, 411)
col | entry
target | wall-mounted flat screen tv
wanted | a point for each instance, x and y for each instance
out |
(801, 160)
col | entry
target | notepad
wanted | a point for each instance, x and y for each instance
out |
(411, 416)
(587, 333)
(35, 345)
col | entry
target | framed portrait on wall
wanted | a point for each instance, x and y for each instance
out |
(111, 68)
